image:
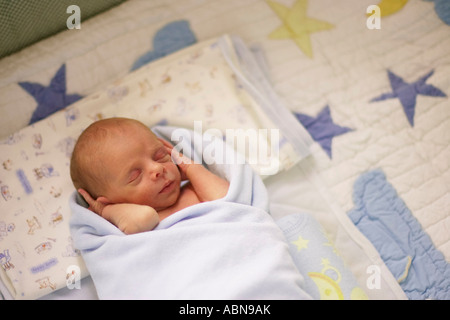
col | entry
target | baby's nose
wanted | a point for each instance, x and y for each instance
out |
(157, 171)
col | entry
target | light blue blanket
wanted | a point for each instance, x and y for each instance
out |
(224, 249)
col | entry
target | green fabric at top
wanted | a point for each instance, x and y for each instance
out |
(23, 23)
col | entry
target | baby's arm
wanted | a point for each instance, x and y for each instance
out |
(206, 184)
(129, 218)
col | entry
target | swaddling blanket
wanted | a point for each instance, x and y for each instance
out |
(224, 249)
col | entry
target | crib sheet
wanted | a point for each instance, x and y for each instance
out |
(375, 101)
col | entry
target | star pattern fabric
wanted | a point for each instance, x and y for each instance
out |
(408, 92)
(170, 38)
(50, 98)
(297, 25)
(388, 7)
(300, 243)
(322, 128)
(442, 8)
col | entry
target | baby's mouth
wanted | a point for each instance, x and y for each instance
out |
(167, 187)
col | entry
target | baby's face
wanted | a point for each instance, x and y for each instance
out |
(140, 170)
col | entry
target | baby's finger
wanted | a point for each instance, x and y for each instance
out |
(166, 143)
(173, 154)
(94, 205)
(168, 149)
(87, 197)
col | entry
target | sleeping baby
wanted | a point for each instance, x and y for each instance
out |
(132, 178)
(159, 226)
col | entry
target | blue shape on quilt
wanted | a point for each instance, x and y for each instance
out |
(407, 93)
(383, 217)
(162, 122)
(51, 98)
(322, 128)
(442, 8)
(172, 37)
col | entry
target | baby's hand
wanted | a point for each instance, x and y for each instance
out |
(129, 218)
(132, 218)
(207, 185)
(180, 160)
(94, 205)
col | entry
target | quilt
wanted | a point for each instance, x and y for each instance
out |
(377, 105)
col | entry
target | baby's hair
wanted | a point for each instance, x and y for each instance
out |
(85, 163)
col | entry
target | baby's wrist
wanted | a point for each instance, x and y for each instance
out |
(131, 218)
(191, 168)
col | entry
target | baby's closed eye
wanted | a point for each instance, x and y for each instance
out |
(134, 175)
(162, 155)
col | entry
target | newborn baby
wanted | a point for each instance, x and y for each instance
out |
(227, 247)
(132, 178)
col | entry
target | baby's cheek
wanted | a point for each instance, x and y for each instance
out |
(174, 172)
(145, 194)
(174, 195)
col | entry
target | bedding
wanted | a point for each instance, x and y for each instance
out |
(326, 275)
(23, 24)
(382, 215)
(352, 101)
(384, 112)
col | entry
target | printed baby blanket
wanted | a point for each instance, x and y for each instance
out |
(224, 249)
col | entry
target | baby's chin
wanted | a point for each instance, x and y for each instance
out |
(170, 200)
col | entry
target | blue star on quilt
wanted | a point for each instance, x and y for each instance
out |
(170, 38)
(442, 8)
(407, 93)
(322, 128)
(51, 98)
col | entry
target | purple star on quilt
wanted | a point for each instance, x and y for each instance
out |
(51, 98)
(407, 93)
(322, 128)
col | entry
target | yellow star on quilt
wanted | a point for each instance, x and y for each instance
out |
(388, 7)
(297, 25)
(301, 243)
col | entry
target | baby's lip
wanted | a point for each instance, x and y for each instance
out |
(167, 186)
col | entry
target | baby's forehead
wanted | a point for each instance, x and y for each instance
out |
(140, 131)
(132, 132)
(105, 132)
(121, 127)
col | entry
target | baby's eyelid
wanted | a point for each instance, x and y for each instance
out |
(161, 155)
(134, 175)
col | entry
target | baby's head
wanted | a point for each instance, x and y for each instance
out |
(121, 160)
